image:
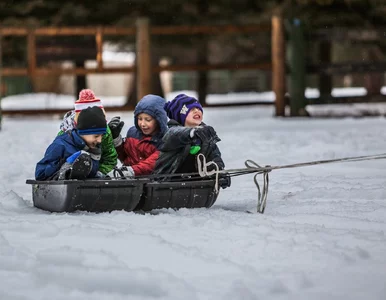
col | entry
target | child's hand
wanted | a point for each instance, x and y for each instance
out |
(99, 174)
(225, 180)
(127, 171)
(116, 126)
(72, 158)
(206, 134)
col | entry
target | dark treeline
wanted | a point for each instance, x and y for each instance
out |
(174, 12)
(366, 14)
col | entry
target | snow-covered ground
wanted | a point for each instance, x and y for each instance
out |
(322, 235)
(43, 101)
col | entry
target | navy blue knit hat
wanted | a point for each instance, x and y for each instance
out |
(91, 120)
(180, 106)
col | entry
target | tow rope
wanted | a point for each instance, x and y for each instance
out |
(253, 167)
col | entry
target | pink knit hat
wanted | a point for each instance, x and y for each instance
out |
(87, 99)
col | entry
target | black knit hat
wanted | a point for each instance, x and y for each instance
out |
(91, 120)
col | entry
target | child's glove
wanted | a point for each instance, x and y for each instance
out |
(225, 180)
(206, 134)
(99, 174)
(76, 166)
(116, 126)
(64, 171)
(127, 171)
(72, 158)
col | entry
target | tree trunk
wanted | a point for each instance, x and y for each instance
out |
(1, 81)
(296, 55)
(156, 89)
(132, 100)
(202, 79)
(156, 86)
(325, 80)
(373, 81)
(80, 81)
(202, 55)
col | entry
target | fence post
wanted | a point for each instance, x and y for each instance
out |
(278, 64)
(31, 44)
(99, 45)
(143, 58)
(296, 55)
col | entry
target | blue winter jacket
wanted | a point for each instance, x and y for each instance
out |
(56, 154)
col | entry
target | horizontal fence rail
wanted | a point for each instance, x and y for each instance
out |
(277, 64)
(99, 32)
(156, 69)
(32, 70)
(156, 30)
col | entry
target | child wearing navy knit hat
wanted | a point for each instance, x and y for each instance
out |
(76, 153)
(187, 137)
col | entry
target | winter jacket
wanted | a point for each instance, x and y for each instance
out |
(56, 154)
(138, 150)
(109, 155)
(175, 154)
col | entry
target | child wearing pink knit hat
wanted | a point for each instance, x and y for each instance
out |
(87, 99)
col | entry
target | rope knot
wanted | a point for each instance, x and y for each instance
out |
(202, 167)
(262, 194)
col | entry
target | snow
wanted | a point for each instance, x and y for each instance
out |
(322, 235)
(269, 96)
(57, 101)
(121, 57)
(51, 101)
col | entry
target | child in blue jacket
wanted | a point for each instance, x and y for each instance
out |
(76, 153)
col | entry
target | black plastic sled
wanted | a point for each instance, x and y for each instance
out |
(178, 194)
(95, 195)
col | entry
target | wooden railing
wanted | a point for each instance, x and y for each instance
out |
(100, 32)
(143, 33)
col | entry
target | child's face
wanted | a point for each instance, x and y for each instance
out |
(147, 124)
(92, 140)
(194, 117)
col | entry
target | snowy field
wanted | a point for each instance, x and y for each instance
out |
(322, 235)
(57, 101)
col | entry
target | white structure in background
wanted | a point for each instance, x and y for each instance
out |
(116, 84)
(166, 77)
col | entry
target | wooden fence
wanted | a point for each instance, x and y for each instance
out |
(143, 32)
(283, 38)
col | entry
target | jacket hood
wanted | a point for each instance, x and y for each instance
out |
(154, 106)
(68, 122)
